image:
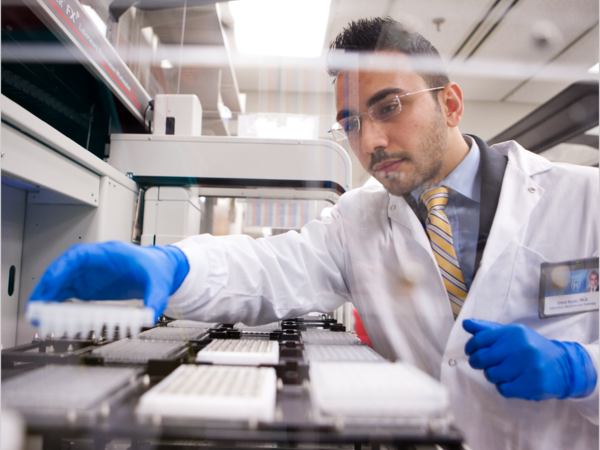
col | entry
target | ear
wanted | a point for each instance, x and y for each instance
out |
(452, 104)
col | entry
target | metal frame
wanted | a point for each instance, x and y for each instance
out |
(270, 193)
(70, 23)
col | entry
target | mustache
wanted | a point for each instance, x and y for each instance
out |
(381, 156)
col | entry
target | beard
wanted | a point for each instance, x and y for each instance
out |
(424, 163)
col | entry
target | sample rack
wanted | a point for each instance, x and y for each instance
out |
(289, 400)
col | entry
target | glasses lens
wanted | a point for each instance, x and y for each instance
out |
(386, 108)
(338, 135)
(345, 128)
(350, 125)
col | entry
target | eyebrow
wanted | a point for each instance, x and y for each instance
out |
(380, 95)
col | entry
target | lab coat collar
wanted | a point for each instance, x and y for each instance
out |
(528, 162)
(514, 189)
(491, 167)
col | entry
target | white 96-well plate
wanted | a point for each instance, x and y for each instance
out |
(240, 352)
(378, 391)
(326, 337)
(213, 392)
(138, 351)
(191, 324)
(173, 334)
(57, 389)
(267, 328)
(341, 353)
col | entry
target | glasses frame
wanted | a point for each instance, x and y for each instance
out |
(335, 131)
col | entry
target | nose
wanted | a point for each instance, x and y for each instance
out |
(372, 136)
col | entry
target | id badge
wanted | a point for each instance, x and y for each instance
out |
(569, 287)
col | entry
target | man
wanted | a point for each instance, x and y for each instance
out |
(457, 232)
(593, 282)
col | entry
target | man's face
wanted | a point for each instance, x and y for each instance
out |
(407, 150)
(594, 280)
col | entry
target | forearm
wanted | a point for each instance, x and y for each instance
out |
(236, 278)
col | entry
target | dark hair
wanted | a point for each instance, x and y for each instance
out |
(370, 35)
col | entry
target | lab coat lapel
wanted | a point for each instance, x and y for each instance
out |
(416, 240)
(518, 197)
(426, 302)
(403, 212)
(492, 167)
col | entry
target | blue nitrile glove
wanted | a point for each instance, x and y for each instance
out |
(114, 271)
(524, 364)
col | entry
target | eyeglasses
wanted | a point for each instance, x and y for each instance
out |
(390, 106)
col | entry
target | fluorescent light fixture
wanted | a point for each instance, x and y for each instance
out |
(592, 131)
(595, 68)
(95, 19)
(166, 64)
(292, 28)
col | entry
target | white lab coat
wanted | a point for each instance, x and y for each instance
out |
(546, 212)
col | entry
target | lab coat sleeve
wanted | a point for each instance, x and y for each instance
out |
(237, 278)
(588, 406)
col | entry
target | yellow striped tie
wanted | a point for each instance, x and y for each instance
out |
(440, 235)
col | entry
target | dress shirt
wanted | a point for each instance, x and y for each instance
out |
(462, 210)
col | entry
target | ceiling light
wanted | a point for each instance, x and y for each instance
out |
(594, 68)
(166, 64)
(293, 28)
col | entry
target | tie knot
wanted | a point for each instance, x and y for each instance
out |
(435, 198)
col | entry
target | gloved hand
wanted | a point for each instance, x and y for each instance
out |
(524, 364)
(114, 271)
